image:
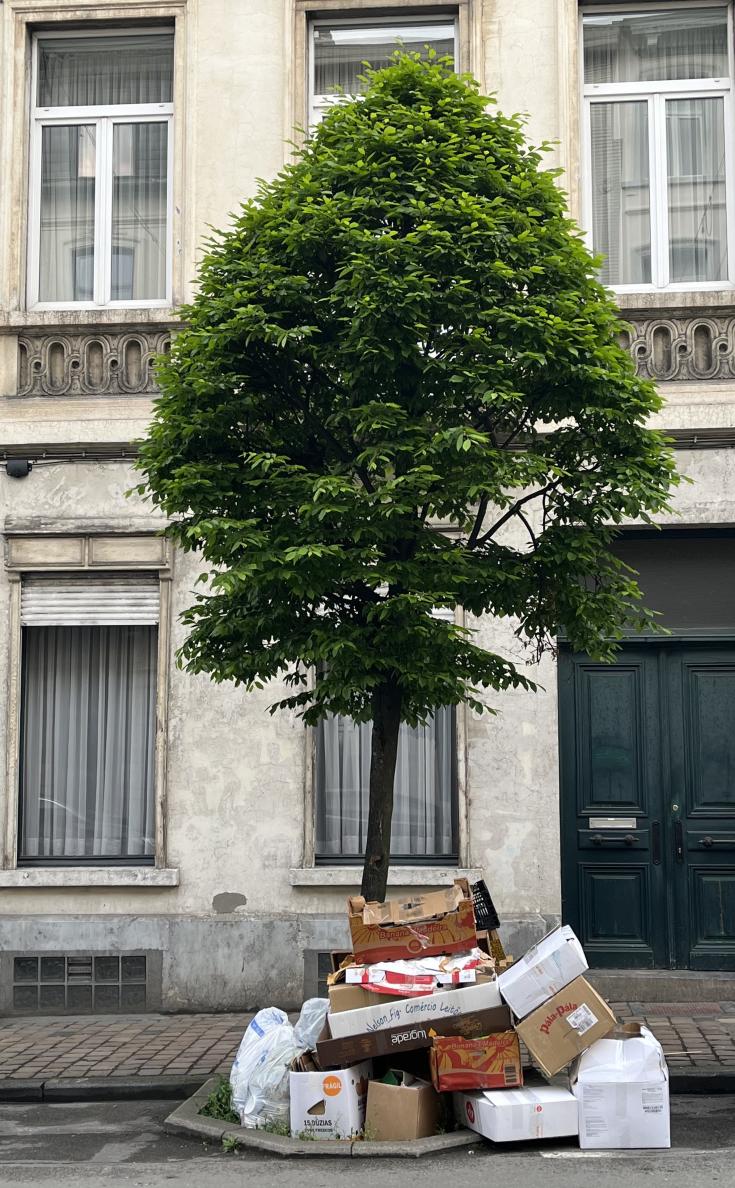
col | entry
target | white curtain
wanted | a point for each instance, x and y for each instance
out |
(340, 51)
(66, 250)
(87, 742)
(92, 71)
(621, 202)
(139, 181)
(695, 147)
(645, 47)
(423, 807)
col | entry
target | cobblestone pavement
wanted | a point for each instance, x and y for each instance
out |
(118, 1046)
(42, 1048)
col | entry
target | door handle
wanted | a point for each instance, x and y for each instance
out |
(708, 842)
(656, 843)
(599, 839)
(679, 841)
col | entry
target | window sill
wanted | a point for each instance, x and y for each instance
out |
(398, 876)
(90, 876)
(692, 299)
(75, 320)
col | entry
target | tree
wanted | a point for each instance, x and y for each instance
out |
(400, 388)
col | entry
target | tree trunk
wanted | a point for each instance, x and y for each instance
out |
(384, 749)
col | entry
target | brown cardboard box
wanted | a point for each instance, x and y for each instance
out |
(396, 1113)
(489, 1062)
(403, 936)
(413, 907)
(336, 1053)
(565, 1026)
(353, 998)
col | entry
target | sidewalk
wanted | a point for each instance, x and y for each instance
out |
(696, 1037)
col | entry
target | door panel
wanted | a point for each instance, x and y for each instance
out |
(613, 892)
(611, 737)
(701, 681)
(709, 725)
(616, 919)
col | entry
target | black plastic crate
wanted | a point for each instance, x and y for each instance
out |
(486, 918)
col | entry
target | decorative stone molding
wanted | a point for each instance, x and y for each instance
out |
(682, 344)
(90, 362)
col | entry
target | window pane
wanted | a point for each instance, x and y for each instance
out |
(423, 808)
(695, 146)
(340, 50)
(87, 742)
(648, 46)
(139, 181)
(66, 250)
(621, 205)
(90, 71)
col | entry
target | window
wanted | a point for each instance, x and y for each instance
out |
(425, 791)
(88, 719)
(341, 48)
(101, 170)
(659, 131)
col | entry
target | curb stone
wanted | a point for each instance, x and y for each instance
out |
(700, 1079)
(99, 1088)
(186, 1119)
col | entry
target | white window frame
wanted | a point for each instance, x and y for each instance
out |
(104, 118)
(318, 104)
(656, 94)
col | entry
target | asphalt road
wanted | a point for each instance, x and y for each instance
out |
(122, 1144)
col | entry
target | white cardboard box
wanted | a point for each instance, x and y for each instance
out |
(329, 1105)
(543, 971)
(517, 1115)
(622, 1086)
(423, 1008)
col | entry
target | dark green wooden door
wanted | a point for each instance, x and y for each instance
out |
(648, 805)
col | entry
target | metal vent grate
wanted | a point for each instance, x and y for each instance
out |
(317, 965)
(81, 983)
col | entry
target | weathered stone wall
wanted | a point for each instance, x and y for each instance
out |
(238, 810)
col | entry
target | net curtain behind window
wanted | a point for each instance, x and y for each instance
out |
(104, 71)
(341, 51)
(88, 700)
(423, 807)
(647, 47)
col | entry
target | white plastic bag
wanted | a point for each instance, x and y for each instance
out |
(311, 1020)
(259, 1076)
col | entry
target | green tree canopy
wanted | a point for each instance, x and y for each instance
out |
(400, 388)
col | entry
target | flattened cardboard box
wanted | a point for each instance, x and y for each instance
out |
(422, 1008)
(352, 998)
(488, 1062)
(413, 907)
(333, 1053)
(566, 1026)
(451, 932)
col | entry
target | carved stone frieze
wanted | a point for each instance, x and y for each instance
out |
(90, 362)
(682, 344)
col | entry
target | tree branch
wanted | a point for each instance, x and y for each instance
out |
(515, 509)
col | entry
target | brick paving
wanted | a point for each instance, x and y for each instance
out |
(118, 1046)
(46, 1048)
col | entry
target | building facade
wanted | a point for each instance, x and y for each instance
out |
(165, 842)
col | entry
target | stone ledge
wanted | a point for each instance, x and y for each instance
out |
(186, 1119)
(398, 876)
(90, 876)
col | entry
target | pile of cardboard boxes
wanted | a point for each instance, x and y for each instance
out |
(421, 1028)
